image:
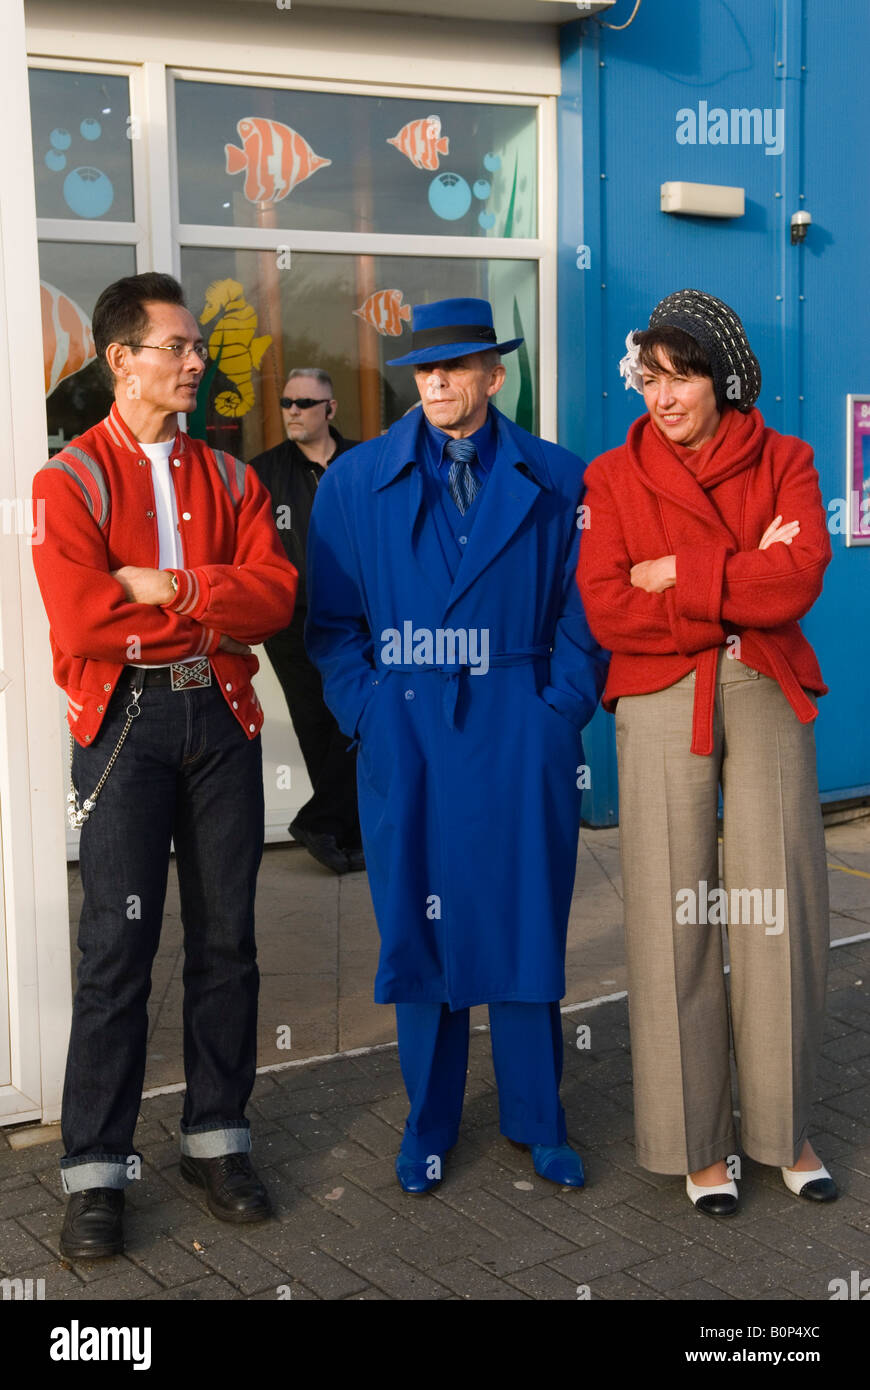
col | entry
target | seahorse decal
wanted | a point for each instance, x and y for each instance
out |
(233, 341)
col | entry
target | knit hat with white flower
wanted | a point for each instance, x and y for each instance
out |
(719, 333)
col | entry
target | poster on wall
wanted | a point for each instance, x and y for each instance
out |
(858, 470)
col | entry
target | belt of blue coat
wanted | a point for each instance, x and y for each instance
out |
(455, 672)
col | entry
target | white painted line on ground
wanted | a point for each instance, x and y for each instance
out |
(593, 1003)
(850, 940)
(478, 1028)
(282, 1066)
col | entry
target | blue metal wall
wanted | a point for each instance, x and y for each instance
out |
(806, 308)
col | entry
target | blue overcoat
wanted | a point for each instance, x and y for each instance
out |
(469, 779)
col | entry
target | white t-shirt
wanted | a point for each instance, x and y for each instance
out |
(170, 554)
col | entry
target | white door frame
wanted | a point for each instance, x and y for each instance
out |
(35, 986)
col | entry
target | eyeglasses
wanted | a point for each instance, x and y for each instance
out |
(304, 402)
(180, 350)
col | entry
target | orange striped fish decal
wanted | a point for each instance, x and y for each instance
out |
(275, 157)
(67, 339)
(422, 142)
(385, 312)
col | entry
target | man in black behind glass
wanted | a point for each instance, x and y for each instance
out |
(328, 824)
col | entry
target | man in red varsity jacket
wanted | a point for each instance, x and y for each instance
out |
(160, 568)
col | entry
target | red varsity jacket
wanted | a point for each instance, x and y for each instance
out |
(100, 514)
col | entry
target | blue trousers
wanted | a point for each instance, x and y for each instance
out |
(186, 772)
(527, 1057)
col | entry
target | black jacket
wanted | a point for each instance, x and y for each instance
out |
(292, 480)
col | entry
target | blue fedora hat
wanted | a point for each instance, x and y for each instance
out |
(452, 328)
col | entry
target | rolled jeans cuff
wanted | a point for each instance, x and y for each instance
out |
(103, 1170)
(215, 1143)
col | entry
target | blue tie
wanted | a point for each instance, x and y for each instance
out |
(463, 484)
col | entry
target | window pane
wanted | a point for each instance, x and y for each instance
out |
(349, 315)
(71, 278)
(254, 156)
(81, 154)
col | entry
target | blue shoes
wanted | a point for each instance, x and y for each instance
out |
(418, 1175)
(559, 1164)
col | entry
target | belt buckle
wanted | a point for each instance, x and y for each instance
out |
(190, 676)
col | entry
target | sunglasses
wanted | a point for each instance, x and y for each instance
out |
(303, 402)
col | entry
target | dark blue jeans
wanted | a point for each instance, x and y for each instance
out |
(186, 772)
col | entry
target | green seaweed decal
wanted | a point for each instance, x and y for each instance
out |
(525, 411)
(196, 420)
(509, 220)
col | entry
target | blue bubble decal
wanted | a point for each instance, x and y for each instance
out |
(492, 162)
(60, 139)
(90, 129)
(486, 220)
(88, 192)
(482, 189)
(55, 160)
(449, 197)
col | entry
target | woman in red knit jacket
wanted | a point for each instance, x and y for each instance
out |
(706, 543)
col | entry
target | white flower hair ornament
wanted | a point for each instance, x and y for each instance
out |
(629, 366)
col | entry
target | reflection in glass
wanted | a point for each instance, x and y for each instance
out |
(325, 161)
(347, 314)
(72, 276)
(81, 154)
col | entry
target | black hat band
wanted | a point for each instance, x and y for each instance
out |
(459, 333)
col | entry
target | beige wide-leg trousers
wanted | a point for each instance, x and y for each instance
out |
(774, 841)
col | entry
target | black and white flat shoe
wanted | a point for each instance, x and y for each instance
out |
(713, 1201)
(815, 1184)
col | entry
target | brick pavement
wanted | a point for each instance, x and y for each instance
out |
(325, 1135)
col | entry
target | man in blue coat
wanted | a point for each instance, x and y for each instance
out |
(446, 622)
